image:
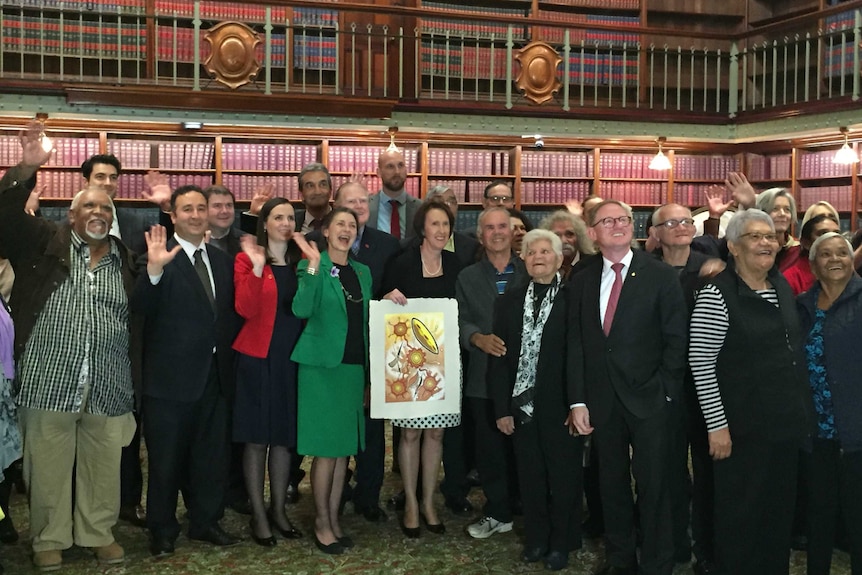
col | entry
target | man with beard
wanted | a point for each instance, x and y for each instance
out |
(573, 233)
(392, 209)
(72, 347)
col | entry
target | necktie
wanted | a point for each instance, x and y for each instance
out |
(395, 220)
(316, 224)
(204, 276)
(614, 298)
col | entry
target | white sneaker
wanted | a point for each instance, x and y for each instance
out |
(487, 526)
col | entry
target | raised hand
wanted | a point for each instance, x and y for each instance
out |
(32, 204)
(741, 191)
(358, 178)
(575, 208)
(309, 249)
(158, 255)
(715, 202)
(261, 195)
(32, 145)
(159, 190)
(255, 252)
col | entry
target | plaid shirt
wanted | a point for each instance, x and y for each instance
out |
(77, 357)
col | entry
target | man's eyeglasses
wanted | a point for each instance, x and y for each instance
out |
(671, 224)
(499, 199)
(609, 222)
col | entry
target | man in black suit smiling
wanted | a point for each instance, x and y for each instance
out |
(187, 298)
(627, 357)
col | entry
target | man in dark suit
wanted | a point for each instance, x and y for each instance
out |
(187, 299)
(372, 248)
(393, 174)
(627, 357)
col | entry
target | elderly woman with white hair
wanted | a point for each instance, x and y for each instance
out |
(531, 400)
(831, 316)
(745, 353)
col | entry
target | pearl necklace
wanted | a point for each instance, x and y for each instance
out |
(428, 272)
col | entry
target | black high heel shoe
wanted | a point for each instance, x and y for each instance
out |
(262, 541)
(331, 549)
(410, 532)
(289, 533)
(436, 528)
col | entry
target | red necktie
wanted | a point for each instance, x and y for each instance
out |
(614, 298)
(395, 220)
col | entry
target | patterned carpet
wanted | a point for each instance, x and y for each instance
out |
(380, 549)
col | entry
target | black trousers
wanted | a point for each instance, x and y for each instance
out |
(369, 465)
(187, 444)
(648, 441)
(755, 494)
(454, 485)
(679, 481)
(702, 488)
(550, 468)
(494, 461)
(834, 481)
(131, 476)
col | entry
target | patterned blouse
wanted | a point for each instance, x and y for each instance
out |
(817, 378)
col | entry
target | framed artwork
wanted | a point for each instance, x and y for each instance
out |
(415, 358)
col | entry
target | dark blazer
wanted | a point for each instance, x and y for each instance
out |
(643, 359)
(466, 247)
(376, 248)
(181, 328)
(411, 207)
(553, 397)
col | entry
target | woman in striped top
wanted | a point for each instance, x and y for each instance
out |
(749, 373)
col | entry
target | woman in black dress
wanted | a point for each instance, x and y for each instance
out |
(265, 405)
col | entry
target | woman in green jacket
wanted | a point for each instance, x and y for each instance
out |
(332, 295)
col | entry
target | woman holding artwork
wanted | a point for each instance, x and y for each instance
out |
(528, 388)
(332, 296)
(423, 271)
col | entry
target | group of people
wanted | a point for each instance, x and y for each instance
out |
(238, 354)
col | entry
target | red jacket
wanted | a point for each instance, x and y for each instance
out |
(256, 302)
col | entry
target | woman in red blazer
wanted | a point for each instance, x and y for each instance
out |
(265, 405)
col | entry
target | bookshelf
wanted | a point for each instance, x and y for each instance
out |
(246, 158)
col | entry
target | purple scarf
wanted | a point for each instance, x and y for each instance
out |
(7, 341)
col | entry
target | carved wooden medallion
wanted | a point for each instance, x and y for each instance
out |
(538, 77)
(232, 60)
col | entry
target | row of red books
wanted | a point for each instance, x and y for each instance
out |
(557, 164)
(73, 151)
(467, 161)
(613, 165)
(634, 193)
(820, 165)
(693, 195)
(470, 62)
(597, 4)
(220, 10)
(558, 192)
(704, 167)
(364, 158)
(768, 167)
(133, 154)
(178, 44)
(244, 187)
(276, 157)
(60, 184)
(185, 156)
(839, 196)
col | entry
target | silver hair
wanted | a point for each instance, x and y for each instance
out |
(436, 191)
(77, 198)
(740, 220)
(313, 167)
(540, 234)
(654, 220)
(812, 253)
(585, 244)
(766, 200)
(484, 213)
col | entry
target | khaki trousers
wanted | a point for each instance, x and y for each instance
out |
(54, 442)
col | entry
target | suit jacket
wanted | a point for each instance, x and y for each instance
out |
(552, 396)
(257, 303)
(643, 359)
(319, 299)
(411, 206)
(376, 248)
(181, 328)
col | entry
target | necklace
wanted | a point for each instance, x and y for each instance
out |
(347, 295)
(428, 272)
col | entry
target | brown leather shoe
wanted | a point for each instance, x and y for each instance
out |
(50, 560)
(111, 554)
